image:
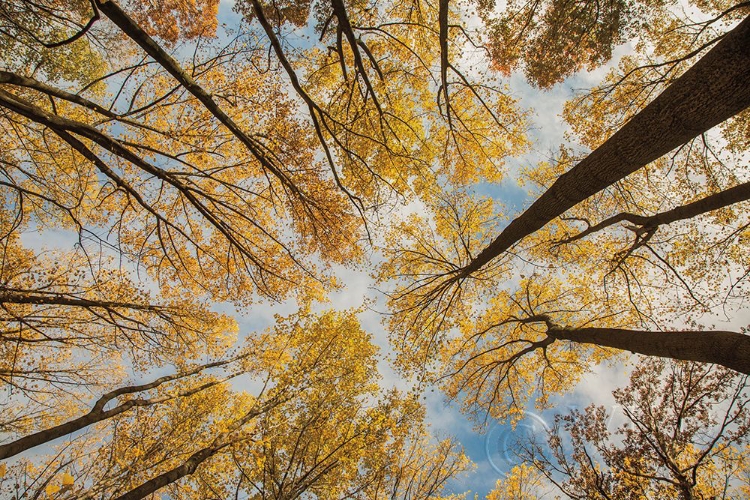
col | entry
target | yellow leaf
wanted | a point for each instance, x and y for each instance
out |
(51, 489)
(67, 479)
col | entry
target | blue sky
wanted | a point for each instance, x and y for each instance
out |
(483, 445)
(487, 446)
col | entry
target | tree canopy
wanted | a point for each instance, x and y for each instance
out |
(684, 436)
(198, 169)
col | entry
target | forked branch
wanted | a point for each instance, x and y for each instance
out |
(643, 225)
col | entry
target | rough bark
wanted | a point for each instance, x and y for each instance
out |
(729, 349)
(444, 63)
(716, 88)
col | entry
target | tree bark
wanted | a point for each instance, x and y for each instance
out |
(729, 349)
(58, 431)
(189, 466)
(59, 299)
(716, 88)
(710, 203)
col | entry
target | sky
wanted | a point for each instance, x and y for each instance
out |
(489, 447)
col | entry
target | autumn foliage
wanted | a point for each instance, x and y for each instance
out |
(168, 178)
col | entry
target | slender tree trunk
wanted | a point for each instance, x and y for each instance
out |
(722, 199)
(169, 477)
(99, 414)
(710, 203)
(60, 299)
(189, 466)
(58, 431)
(716, 88)
(729, 349)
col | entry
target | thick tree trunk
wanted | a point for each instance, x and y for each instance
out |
(716, 88)
(730, 349)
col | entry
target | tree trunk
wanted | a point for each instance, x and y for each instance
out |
(188, 467)
(722, 199)
(58, 431)
(716, 88)
(60, 299)
(729, 349)
(185, 469)
(710, 203)
(99, 414)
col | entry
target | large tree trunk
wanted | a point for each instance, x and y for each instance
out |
(716, 88)
(730, 349)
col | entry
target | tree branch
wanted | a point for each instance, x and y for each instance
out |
(647, 224)
(711, 91)
(98, 413)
